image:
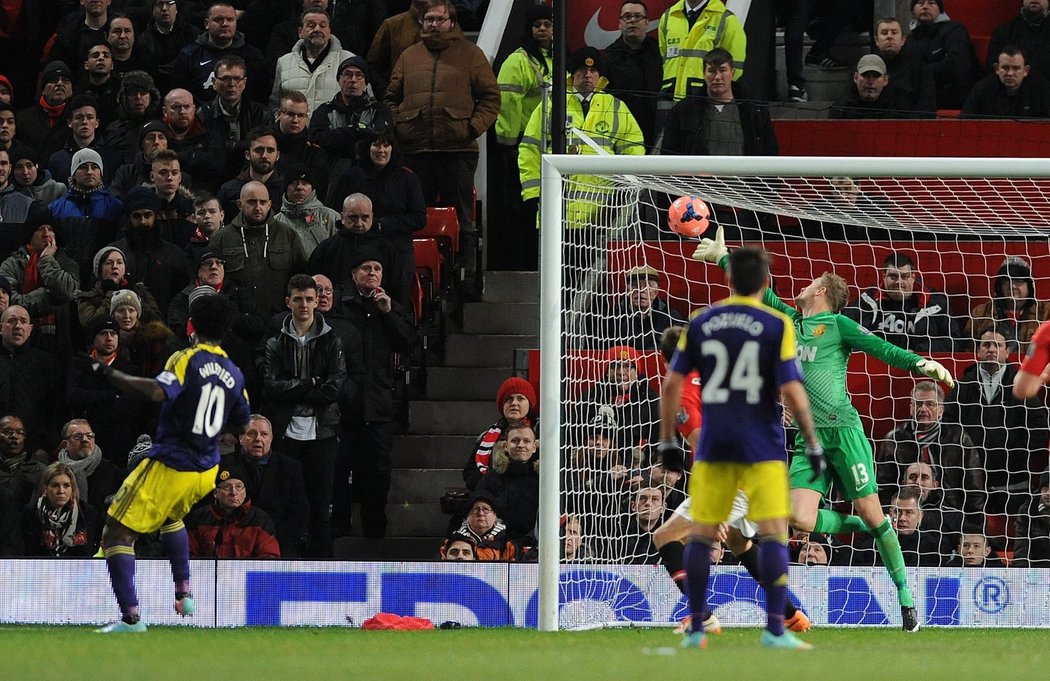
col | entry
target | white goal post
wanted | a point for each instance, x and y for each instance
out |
(786, 186)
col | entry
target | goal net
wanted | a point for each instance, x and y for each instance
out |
(944, 257)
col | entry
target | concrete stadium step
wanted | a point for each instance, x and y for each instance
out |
(497, 350)
(501, 318)
(507, 287)
(450, 418)
(460, 383)
(434, 451)
(423, 485)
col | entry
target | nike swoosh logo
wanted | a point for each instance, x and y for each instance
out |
(596, 36)
(206, 62)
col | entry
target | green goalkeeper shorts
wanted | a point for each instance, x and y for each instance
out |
(851, 465)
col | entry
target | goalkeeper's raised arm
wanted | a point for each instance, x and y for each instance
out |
(829, 293)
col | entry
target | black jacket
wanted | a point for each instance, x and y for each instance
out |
(35, 130)
(86, 537)
(277, 487)
(194, 68)
(635, 77)
(303, 379)
(117, 419)
(1033, 38)
(398, 206)
(250, 115)
(1007, 430)
(298, 149)
(331, 256)
(162, 266)
(989, 99)
(31, 383)
(955, 460)
(920, 323)
(685, 134)
(626, 326)
(946, 48)
(891, 104)
(912, 79)
(515, 485)
(380, 337)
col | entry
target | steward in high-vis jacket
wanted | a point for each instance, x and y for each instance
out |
(602, 118)
(687, 35)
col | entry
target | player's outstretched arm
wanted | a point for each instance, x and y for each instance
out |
(1027, 385)
(135, 386)
(715, 252)
(670, 452)
(794, 396)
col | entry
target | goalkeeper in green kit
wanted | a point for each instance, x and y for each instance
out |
(825, 341)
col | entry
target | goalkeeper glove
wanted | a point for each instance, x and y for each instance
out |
(712, 250)
(672, 457)
(815, 454)
(936, 371)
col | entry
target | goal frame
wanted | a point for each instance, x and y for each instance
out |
(555, 168)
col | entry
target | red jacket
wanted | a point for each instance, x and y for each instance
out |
(245, 533)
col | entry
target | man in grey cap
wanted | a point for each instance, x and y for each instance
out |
(85, 218)
(872, 96)
(42, 125)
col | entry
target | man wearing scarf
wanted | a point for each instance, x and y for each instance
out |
(97, 478)
(927, 438)
(42, 126)
(43, 280)
(114, 417)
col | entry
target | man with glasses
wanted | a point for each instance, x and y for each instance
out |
(232, 115)
(904, 312)
(448, 81)
(337, 125)
(200, 150)
(194, 67)
(312, 65)
(293, 140)
(97, 478)
(634, 68)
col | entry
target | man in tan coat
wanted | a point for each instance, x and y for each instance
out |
(444, 95)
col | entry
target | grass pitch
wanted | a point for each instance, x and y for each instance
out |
(304, 654)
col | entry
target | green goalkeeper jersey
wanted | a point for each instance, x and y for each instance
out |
(825, 342)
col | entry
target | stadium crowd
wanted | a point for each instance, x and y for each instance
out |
(281, 153)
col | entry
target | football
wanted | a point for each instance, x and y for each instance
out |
(688, 216)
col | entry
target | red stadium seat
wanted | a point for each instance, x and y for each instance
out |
(442, 224)
(429, 260)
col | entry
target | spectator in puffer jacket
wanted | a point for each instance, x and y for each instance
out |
(313, 64)
(85, 218)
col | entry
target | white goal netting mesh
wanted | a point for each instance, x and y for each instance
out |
(948, 267)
